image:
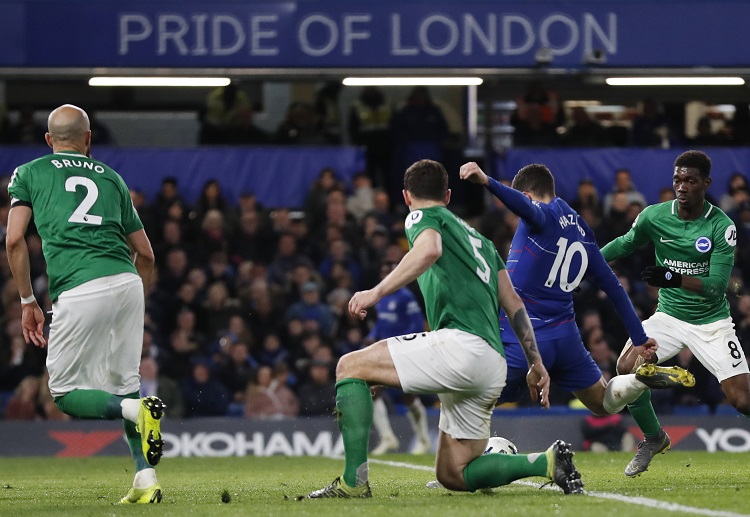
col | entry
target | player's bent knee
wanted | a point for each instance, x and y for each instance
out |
(451, 480)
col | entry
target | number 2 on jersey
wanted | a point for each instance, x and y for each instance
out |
(562, 262)
(80, 214)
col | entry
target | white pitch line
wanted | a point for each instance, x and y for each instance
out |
(637, 500)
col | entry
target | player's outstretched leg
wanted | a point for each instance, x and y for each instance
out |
(561, 470)
(647, 449)
(149, 425)
(661, 377)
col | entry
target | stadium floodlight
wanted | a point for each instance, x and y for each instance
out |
(160, 81)
(675, 81)
(412, 81)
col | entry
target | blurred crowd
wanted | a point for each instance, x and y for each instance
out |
(247, 314)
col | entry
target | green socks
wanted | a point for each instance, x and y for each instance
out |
(90, 404)
(643, 413)
(493, 470)
(134, 440)
(354, 411)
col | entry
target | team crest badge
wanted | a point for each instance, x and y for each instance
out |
(703, 244)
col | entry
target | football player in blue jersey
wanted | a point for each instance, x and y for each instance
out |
(551, 251)
(398, 314)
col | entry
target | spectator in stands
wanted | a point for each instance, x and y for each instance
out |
(100, 133)
(168, 194)
(317, 196)
(705, 135)
(285, 260)
(739, 127)
(211, 198)
(204, 396)
(369, 122)
(339, 253)
(228, 118)
(155, 385)
(265, 316)
(236, 369)
(219, 308)
(250, 240)
(26, 131)
(311, 308)
(269, 397)
(213, 237)
(329, 112)
(361, 200)
(272, 351)
(584, 131)
(623, 184)
(317, 396)
(418, 130)
(731, 200)
(587, 197)
(651, 127)
(22, 405)
(301, 126)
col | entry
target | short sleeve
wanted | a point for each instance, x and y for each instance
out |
(131, 222)
(18, 187)
(418, 221)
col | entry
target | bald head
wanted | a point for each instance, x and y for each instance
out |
(68, 124)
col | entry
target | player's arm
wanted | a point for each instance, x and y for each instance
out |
(626, 244)
(537, 378)
(516, 202)
(712, 286)
(144, 256)
(426, 250)
(32, 317)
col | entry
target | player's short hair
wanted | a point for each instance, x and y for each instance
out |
(695, 159)
(426, 179)
(535, 178)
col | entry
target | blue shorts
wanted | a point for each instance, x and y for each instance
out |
(569, 364)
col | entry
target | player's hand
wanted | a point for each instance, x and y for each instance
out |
(538, 380)
(473, 173)
(361, 301)
(660, 276)
(647, 350)
(32, 324)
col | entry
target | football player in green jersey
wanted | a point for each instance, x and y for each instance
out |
(694, 243)
(89, 228)
(464, 281)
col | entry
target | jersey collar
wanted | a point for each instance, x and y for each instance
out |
(707, 209)
(71, 153)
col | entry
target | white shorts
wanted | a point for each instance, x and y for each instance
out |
(467, 374)
(715, 344)
(96, 336)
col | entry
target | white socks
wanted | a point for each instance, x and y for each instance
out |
(130, 408)
(417, 415)
(380, 419)
(621, 391)
(144, 478)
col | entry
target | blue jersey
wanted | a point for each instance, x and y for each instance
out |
(398, 314)
(551, 252)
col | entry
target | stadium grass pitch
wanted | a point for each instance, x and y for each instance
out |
(678, 483)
